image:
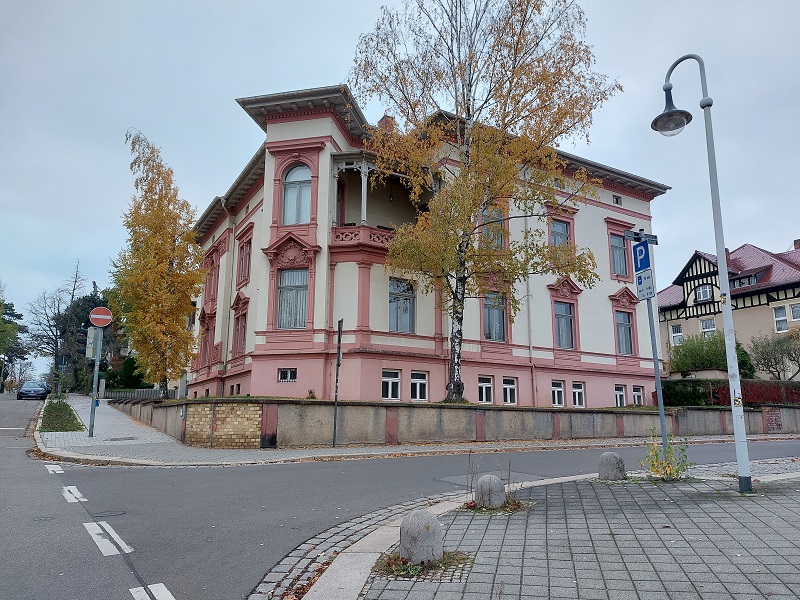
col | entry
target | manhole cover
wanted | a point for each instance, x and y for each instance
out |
(120, 439)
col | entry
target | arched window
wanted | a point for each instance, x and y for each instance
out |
(297, 196)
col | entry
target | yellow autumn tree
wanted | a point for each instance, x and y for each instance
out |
(159, 271)
(480, 93)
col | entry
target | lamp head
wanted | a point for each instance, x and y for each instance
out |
(672, 120)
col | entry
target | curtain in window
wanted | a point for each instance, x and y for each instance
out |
(619, 256)
(494, 317)
(297, 196)
(401, 305)
(624, 333)
(564, 325)
(292, 295)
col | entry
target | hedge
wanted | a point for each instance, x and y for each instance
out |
(715, 392)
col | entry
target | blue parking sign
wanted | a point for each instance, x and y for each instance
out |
(641, 256)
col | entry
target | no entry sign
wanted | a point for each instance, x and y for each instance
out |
(100, 316)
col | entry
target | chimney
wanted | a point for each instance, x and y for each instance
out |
(797, 244)
(387, 122)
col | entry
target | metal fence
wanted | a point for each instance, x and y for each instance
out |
(143, 394)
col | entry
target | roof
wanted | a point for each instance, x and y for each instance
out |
(594, 169)
(336, 97)
(772, 271)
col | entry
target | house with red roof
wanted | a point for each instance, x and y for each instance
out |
(765, 295)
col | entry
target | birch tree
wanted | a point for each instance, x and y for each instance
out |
(480, 93)
(159, 271)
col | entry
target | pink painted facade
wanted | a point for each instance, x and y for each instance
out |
(299, 241)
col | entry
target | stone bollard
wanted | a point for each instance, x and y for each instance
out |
(612, 467)
(421, 538)
(490, 492)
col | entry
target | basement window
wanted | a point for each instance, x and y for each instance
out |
(287, 375)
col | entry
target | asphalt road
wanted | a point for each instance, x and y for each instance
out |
(210, 533)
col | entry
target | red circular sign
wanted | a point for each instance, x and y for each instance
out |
(100, 316)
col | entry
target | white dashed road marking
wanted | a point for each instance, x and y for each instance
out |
(100, 532)
(53, 468)
(71, 494)
(159, 590)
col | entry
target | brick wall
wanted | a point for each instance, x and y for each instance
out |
(235, 425)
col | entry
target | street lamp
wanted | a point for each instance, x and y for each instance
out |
(671, 122)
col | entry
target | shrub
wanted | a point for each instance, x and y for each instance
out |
(59, 416)
(699, 352)
(669, 465)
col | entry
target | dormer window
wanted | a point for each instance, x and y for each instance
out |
(704, 293)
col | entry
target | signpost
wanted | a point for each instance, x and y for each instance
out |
(336, 389)
(645, 290)
(99, 317)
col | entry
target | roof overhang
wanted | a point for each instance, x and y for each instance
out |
(606, 173)
(337, 98)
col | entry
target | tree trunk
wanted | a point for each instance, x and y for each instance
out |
(455, 387)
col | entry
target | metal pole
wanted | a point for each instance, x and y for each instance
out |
(657, 370)
(98, 352)
(336, 387)
(734, 381)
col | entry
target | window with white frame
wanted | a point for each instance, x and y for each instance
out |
(638, 395)
(795, 312)
(707, 327)
(493, 231)
(390, 384)
(494, 317)
(239, 334)
(781, 321)
(565, 325)
(704, 293)
(297, 196)
(619, 255)
(292, 296)
(419, 386)
(619, 395)
(677, 334)
(624, 323)
(557, 392)
(617, 200)
(401, 305)
(559, 233)
(578, 394)
(245, 252)
(485, 392)
(509, 390)
(287, 375)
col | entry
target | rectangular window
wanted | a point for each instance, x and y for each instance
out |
(707, 327)
(619, 395)
(231, 394)
(239, 335)
(494, 317)
(781, 322)
(238, 388)
(390, 385)
(677, 334)
(245, 251)
(401, 305)
(419, 386)
(578, 394)
(617, 200)
(638, 395)
(565, 325)
(624, 332)
(292, 295)
(704, 293)
(557, 391)
(795, 312)
(493, 230)
(287, 375)
(509, 390)
(485, 391)
(619, 255)
(559, 233)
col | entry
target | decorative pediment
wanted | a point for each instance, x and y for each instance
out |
(290, 252)
(624, 298)
(207, 316)
(240, 303)
(564, 288)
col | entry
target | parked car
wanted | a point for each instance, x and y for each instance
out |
(32, 389)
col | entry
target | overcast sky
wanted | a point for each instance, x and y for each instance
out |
(74, 76)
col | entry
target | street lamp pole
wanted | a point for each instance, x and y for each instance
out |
(669, 123)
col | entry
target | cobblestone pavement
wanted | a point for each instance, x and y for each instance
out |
(636, 539)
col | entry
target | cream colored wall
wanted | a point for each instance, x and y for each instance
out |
(424, 317)
(345, 294)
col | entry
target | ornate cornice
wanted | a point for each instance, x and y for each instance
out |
(624, 298)
(564, 288)
(291, 252)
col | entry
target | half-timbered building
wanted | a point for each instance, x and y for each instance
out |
(765, 295)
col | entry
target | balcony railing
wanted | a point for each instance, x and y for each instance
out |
(361, 235)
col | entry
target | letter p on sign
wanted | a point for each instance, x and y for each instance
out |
(641, 256)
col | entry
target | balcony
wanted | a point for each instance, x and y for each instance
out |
(351, 243)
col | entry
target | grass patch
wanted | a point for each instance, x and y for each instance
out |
(391, 565)
(59, 416)
(511, 505)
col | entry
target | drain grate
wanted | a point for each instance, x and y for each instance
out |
(120, 439)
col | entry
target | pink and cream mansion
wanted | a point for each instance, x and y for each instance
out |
(299, 241)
